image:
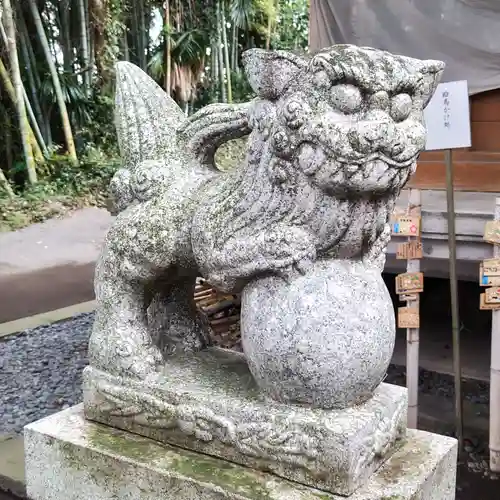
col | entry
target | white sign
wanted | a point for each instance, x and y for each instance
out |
(447, 117)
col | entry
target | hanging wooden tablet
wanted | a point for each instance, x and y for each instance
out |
(409, 250)
(492, 232)
(485, 306)
(405, 225)
(409, 283)
(408, 317)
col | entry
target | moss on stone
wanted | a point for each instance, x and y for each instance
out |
(232, 478)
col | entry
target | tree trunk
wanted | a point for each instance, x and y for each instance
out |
(84, 44)
(227, 62)
(70, 143)
(168, 49)
(220, 54)
(7, 15)
(11, 92)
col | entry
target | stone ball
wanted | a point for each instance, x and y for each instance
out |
(323, 339)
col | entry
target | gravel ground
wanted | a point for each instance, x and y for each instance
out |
(40, 371)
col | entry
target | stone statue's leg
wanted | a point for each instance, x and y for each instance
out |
(282, 250)
(172, 317)
(134, 256)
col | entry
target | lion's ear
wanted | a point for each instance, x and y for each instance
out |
(432, 72)
(270, 71)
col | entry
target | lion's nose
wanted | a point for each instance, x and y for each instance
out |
(376, 132)
(368, 137)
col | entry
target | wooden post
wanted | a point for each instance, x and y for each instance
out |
(408, 287)
(495, 373)
(413, 334)
(455, 320)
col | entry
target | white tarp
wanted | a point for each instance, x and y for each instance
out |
(463, 33)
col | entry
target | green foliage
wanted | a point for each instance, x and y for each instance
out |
(242, 92)
(99, 132)
(242, 13)
(62, 187)
(114, 31)
(292, 31)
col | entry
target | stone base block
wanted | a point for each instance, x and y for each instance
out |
(70, 458)
(210, 403)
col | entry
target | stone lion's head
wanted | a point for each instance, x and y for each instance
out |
(349, 118)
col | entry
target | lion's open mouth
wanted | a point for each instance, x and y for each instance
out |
(376, 158)
(373, 172)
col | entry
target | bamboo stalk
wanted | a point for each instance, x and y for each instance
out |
(220, 55)
(168, 49)
(227, 62)
(495, 374)
(66, 125)
(4, 182)
(84, 44)
(27, 103)
(34, 124)
(32, 83)
(17, 94)
(9, 87)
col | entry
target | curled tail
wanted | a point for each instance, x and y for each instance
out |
(158, 143)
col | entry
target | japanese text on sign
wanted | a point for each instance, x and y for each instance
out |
(409, 250)
(447, 117)
(446, 108)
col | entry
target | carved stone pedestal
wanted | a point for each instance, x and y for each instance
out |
(209, 402)
(70, 458)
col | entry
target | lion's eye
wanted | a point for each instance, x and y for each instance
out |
(346, 98)
(401, 105)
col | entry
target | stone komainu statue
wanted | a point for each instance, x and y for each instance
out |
(333, 138)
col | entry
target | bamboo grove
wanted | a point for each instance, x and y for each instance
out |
(57, 59)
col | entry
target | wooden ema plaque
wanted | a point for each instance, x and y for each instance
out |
(409, 283)
(406, 225)
(491, 267)
(492, 295)
(492, 232)
(408, 317)
(411, 297)
(409, 250)
(485, 306)
(488, 279)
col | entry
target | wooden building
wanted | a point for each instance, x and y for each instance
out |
(477, 184)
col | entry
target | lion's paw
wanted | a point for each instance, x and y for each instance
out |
(137, 361)
(289, 250)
